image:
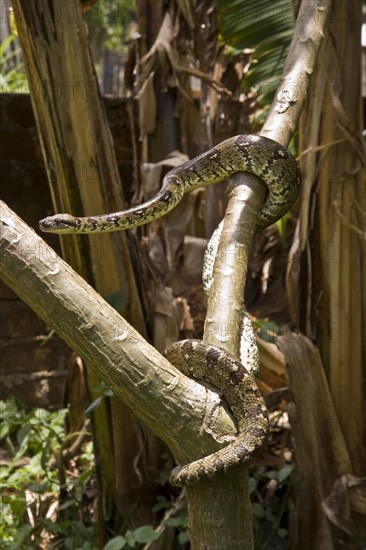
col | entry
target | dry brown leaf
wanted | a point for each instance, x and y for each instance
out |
(186, 8)
(322, 454)
(168, 318)
(151, 173)
(175, 226)
(157, 255)
(194, 249)
(348, 494)
(272, 366)
(162, 50)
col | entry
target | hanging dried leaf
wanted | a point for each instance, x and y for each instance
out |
(151, 173)
(187, 10)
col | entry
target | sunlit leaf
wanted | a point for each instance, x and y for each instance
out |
(265, 26)
(115, 544)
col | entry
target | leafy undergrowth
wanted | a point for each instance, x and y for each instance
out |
(47, 498)
(270, 487)
(48, 488)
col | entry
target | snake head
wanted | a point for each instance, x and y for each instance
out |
(60, 223)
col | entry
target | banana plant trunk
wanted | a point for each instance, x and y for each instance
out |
(84, 179)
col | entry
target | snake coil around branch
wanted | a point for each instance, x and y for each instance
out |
(275, 165)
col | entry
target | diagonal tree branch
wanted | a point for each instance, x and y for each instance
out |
(137, 373)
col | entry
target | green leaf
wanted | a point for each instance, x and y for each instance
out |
(104, 389)
(22, 534)
(252, 485)
(40, 487)
(162, 503)
(5, 44)
(268, 331)
(281, 532)
(258, 510)
(4, 429)
(116, 543)
(176, 521)
(68, 504)
(272, 474)
(130, 538)
(285, 472)
(270, 516)
(146, 534)
(183, 537)
(267, 27)
(85, 476)
(96, 403)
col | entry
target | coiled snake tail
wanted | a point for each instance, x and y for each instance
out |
(216, 366)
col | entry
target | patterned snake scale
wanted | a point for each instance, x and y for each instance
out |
(275, 165)
(221, 369)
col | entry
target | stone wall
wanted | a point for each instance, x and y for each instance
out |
(33, 362)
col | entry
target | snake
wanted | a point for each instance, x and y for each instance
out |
(230, 378)
(277, 168)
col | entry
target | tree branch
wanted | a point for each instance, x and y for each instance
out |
(292, 91)
(223, 319)
(137, 373)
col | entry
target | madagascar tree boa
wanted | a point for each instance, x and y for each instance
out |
(274, 164)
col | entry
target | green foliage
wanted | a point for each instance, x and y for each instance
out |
(12, 76)
(30, 486)
(110, 21)
(266, 330)
(30, 481)
(105, 391)
(36, 506)
(145, 534)
(30, 432)
(178, 520)
(265, 26)
(165, 472)
(141, 535)
(270, 490)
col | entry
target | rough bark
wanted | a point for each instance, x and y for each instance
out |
(138, 374)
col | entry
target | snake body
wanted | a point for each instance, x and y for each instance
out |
(261, 156)
(275, 165)
(216, 366)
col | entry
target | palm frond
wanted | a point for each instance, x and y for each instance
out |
(267, 27)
